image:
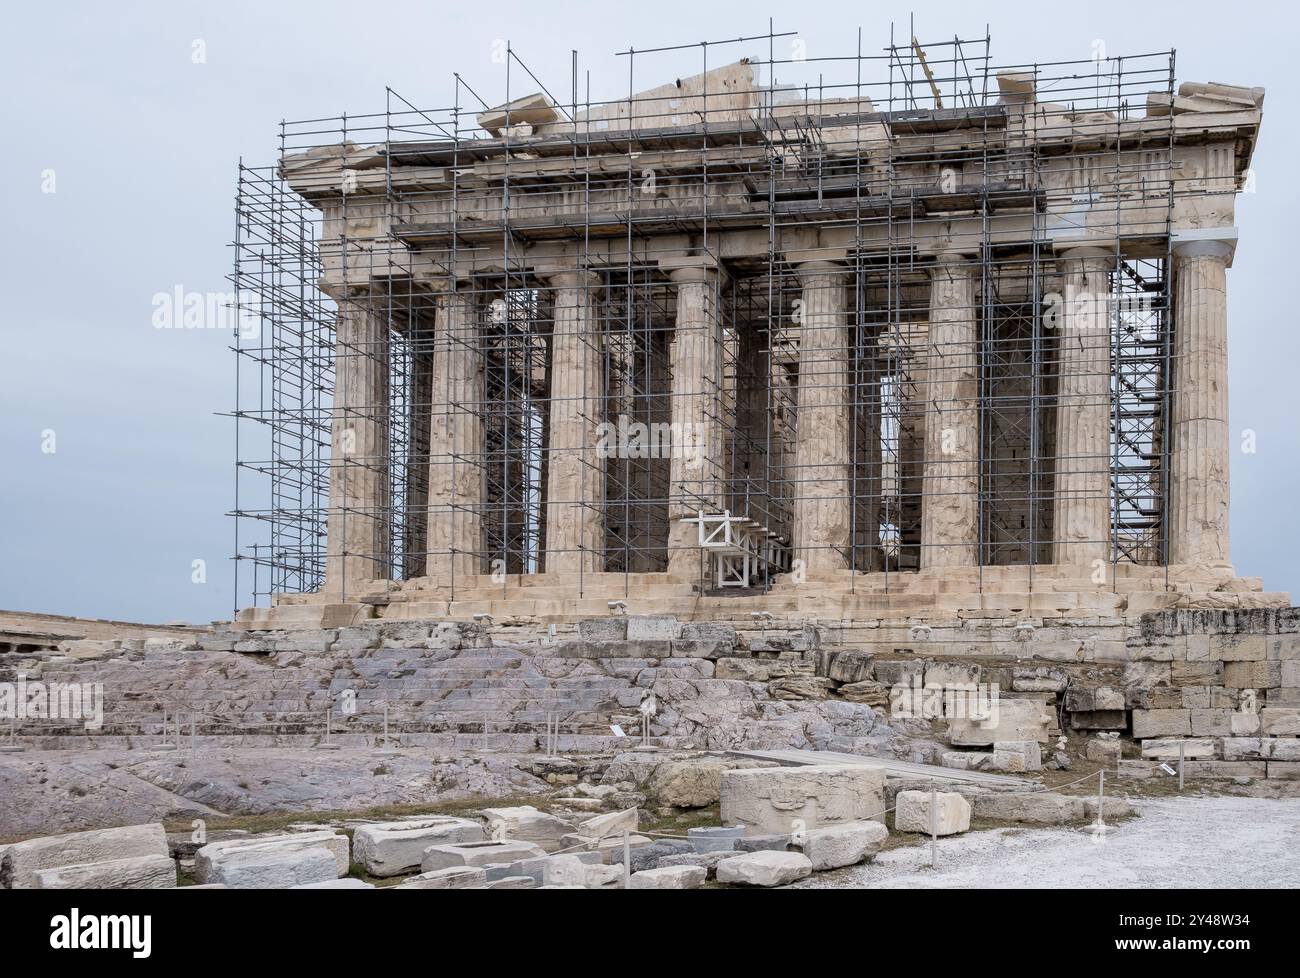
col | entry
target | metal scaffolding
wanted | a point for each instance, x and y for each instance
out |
(457, 209)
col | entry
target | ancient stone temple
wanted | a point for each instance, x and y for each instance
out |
(937, 339)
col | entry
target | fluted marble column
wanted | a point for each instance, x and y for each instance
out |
(1081, 502)
(695, 470)
(359, 521)
(1199, 458)
(820, 479)
(575, 483)
(949, 386)
(456, 443)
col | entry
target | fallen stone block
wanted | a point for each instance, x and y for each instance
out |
(393, 848)
(526, 824)
(609, 849)
(346, 883)
(23, 860)
(207, 860)
(709, 860)
(765, 868)
(609, 825)
(600, 875)
(912, 812)
(778, 842)
(275, 868)
(1103, 751)
(512, 883)
(1017, 755)
(449, 878)
(137, 873)
(477, 854)
(715, 838)
(777, 800)
(543, 869)
(844, 844)
(1029, 807)
(668, 878)
(648, 856)
(1140, 770)
(694, 783)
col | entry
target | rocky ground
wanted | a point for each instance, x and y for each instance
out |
(61, 791)
(1187, 842)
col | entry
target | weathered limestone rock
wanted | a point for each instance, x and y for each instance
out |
(477, 854)
(137, 873)
(210, 860)
(868, 692)
(526, 824)
(767, 868)
(912, 812)
(695, 783)
(1017, 756)
(844, 844)
(393, 848)
(800, 688)
(448, 878)
(512, 883)
(773, 800)
(709, 860)
(23, 860)
(1012, 719)
(668, 878)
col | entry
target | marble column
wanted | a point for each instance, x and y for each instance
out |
(575, 482)
(457, 490)
(1199, 456)
(695, 470)
(949, 384)
(820, 479)
(359, 521)
(1081, 499)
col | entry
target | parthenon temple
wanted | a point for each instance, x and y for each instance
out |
(942, 336)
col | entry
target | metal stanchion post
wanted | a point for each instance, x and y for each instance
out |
(627, 860)
(1182, 754)
(934, 825)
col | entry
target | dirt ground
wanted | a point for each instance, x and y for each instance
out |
(1175, 842)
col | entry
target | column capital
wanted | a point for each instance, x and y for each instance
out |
(569, 278)
(1083, 252)
(343, 291)
(688, 269)
(1204, 243)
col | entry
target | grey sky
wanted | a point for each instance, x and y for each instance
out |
(143, 144)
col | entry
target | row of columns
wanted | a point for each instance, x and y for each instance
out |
(822, 503)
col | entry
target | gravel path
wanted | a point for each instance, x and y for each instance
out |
(1177, 842)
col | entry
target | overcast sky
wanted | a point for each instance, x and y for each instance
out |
(105, 104)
